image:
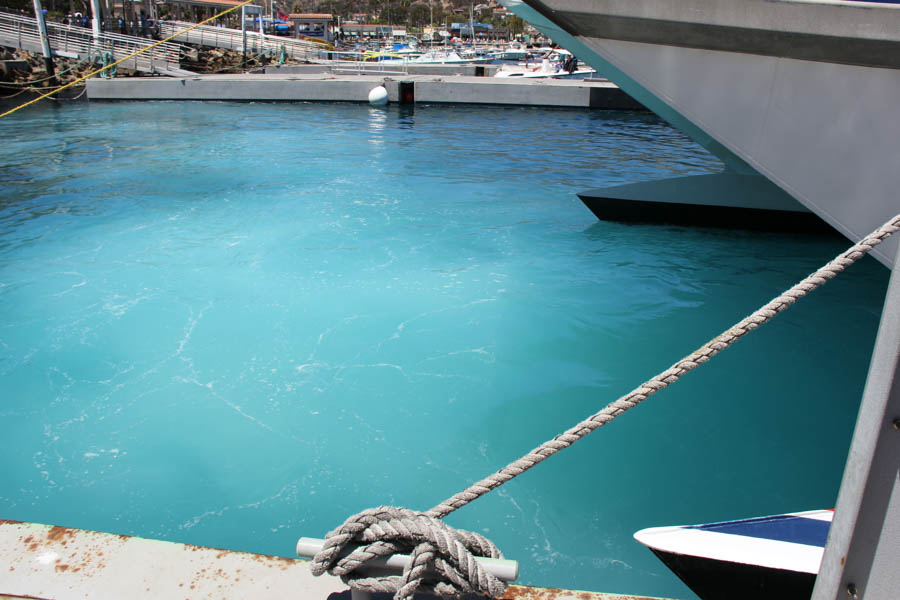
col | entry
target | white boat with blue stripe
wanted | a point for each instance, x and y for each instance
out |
(774, 557)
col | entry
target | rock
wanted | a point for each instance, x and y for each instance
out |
(10, 68)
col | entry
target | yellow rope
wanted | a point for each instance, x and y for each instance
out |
(130, 56)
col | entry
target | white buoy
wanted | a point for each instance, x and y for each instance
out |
(378, 96)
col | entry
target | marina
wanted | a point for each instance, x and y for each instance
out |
(318, 307)
(271, 345)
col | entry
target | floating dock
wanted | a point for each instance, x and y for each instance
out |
(401, 88)
(41, 561)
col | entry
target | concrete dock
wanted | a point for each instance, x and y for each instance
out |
(402, 88)
(42, 561)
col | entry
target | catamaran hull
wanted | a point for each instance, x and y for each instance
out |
(801, 92)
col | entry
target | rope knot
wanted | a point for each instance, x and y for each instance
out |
(442, 559)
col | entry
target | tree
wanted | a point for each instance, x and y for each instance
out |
(515, 24)
(25, 5)
(419, 14)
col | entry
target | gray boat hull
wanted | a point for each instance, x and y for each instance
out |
(803, 93)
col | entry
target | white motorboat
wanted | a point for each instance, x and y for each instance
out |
(775, 557)
(557, 64)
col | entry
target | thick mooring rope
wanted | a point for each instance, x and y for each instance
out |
(443, 558)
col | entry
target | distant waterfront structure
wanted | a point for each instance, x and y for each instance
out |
(366, 30)
(316, 25)
(485, 31)
(198, 10)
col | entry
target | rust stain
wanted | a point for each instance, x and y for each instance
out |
(61, 568)
(11, 522)
(520, 592)
(274, 561)
(58, 533)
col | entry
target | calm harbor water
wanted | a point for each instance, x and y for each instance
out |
(237, 324)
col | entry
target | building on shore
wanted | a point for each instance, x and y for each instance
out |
(352, 30)
(312, 25)
(198, 10)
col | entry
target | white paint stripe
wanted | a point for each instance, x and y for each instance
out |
(818, 515)
(772, 554)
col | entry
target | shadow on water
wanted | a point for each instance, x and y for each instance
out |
(671, 236)
(11, 98)
(405, 115)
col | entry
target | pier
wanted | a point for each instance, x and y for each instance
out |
(401, 88)
(234, 39)
(58, 562)
(68, 41)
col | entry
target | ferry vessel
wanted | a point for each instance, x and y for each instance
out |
(799, 92)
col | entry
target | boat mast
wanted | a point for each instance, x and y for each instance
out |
(472, 23)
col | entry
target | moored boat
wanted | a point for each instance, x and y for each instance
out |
(556, 64)
(437, 57)
(775, 557)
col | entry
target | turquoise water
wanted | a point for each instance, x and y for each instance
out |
(237, 324)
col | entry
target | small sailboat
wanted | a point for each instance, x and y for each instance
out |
(775, 557)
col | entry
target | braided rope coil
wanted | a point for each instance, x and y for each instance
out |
(442, 559)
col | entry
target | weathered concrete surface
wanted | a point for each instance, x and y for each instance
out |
(340, 88)
(42, 561)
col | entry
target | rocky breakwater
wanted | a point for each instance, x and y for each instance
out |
(218, 60)
(21, 70)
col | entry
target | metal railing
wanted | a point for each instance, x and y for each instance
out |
(79, 42)
(231, 39)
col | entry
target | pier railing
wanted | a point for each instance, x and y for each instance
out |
(232, 39)
(68, 41)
